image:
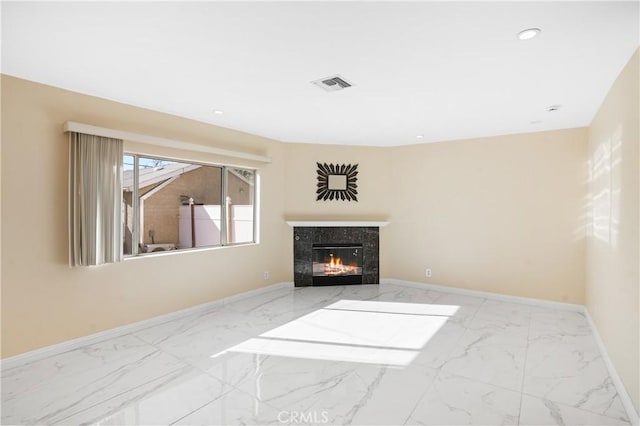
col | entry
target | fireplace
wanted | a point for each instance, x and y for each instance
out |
(335, 255)
(336, 264)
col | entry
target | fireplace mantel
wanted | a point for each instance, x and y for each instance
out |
(336, 223)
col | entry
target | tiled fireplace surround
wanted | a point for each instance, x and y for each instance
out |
(304, 237)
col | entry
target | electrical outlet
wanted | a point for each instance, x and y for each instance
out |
(428, 273)
(265, 275)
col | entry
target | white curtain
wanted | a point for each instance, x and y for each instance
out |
(95, 199)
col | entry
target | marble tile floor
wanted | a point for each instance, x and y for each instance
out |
(358, 355)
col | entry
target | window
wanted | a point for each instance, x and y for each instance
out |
(175, 205)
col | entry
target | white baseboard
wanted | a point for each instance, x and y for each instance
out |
(68, 345)
(617, 381)
(487, 295)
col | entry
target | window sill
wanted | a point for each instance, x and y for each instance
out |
(185, 251)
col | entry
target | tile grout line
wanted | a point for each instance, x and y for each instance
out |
(522, 386)
(172, 372)
(438, 369)
(231, 388)
(456, 374)
(524, 368)
(422, 396)
(634, 416)
(564, 404)
(187, 364)
(158, 351)
(625, 398)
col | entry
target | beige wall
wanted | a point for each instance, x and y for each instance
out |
(301, 179)
(46, 302)
(502, 214)
(612, 279)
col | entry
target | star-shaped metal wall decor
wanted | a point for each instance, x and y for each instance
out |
(337, 182)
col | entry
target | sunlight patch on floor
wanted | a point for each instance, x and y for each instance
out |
(372, 332)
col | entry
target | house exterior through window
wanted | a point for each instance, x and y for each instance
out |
(175, 205)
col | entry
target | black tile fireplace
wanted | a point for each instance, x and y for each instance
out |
(335, 255)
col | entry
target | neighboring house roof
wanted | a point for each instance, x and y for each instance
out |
(237, 173)
(152, 175)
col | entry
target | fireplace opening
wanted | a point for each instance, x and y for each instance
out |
(337, 264)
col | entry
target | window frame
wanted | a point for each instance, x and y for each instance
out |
(135, 235)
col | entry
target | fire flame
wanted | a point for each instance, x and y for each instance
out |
(336, 267)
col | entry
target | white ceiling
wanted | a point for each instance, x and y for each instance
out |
(445, 70)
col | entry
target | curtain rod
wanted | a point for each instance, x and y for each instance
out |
(72, 126)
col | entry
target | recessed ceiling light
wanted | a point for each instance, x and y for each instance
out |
(218, 112)
(552, 108)
(419, 136)
(529, 33)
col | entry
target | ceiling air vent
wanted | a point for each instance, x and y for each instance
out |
(332, 84)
